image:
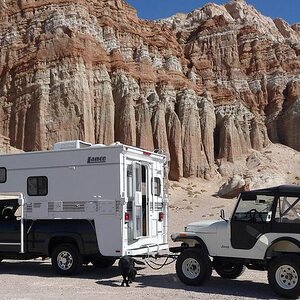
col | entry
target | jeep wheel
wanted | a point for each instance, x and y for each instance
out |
(228, 270)
(193, 267)
(103, 263)
(66, 259)
(284, 276)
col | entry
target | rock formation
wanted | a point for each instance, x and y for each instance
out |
(206, 86)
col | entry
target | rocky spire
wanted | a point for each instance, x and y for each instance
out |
(214, 83)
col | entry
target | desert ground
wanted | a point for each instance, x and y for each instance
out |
(34, 279)
(190, 200)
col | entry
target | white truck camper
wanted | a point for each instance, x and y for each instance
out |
(81, 203)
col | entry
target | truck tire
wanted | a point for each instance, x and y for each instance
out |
(193, 267)
(103, 263)
(284, 276)
(66, 259)
(228, 270)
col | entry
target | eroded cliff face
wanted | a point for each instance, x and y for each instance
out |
(206, 86)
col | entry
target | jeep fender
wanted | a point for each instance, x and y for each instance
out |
(283, 244)
(189, 238)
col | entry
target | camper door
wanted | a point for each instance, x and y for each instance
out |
(137, 213)
(138, 191)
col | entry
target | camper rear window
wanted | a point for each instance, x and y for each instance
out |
(37, 186)
(156, 190)
(2, 175)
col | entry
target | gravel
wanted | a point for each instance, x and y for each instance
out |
(35, 279)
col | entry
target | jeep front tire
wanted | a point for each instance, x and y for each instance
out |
(284, 276)
(193, 267)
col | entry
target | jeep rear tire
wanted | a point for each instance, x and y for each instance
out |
(284, 276)
(193, 267)
(66, 259)
(227, 269)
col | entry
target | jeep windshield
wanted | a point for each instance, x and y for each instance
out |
(253, 207)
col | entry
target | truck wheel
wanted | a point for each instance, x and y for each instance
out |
(228, 270)
(66, 259)
(193, 267)
(284, 276)
(103, 263)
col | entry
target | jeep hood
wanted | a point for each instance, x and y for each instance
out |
(203, 226)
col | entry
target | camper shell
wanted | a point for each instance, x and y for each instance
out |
(100, 201)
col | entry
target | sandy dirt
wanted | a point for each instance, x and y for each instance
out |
(35, 280)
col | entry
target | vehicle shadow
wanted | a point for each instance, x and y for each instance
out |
(215, 286)
(112, 277)
(44, 269)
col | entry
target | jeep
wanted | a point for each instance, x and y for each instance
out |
(263, 233)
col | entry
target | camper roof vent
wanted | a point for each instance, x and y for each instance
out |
(116, 144)
(76, 144)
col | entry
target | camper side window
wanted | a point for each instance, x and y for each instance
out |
(37, 186)
(2, 175)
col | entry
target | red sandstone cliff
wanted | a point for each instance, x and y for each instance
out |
(205, 86)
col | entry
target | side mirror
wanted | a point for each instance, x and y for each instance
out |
(222, 214)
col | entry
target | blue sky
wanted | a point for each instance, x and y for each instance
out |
(155, 9)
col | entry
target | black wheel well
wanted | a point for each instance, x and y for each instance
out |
(198, 245)
(274, 251)
(61, 240)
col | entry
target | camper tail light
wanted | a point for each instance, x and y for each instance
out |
(161, 216)
(126, 217)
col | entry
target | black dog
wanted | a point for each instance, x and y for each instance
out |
(128, 271)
